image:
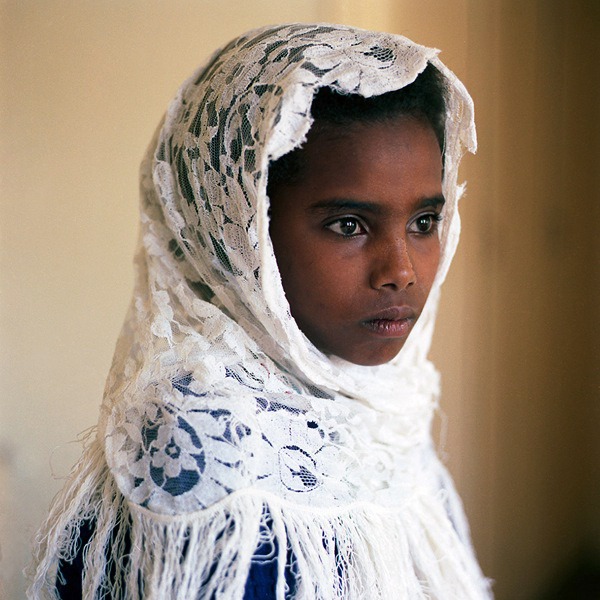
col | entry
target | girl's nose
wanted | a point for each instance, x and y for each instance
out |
(392, 266)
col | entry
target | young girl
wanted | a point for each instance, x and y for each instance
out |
(265, 430)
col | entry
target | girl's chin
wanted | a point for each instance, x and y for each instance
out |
(370, 357)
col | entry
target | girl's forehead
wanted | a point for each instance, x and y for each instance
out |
(381, 168)
(344, 152)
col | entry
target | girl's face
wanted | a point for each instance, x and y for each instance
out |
(356, 236)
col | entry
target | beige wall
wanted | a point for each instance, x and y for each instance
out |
(538, 274)
(83, 84)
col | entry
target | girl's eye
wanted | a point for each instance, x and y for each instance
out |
(347, 227)
(425, 224)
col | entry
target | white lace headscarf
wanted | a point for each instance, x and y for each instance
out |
(222, 426)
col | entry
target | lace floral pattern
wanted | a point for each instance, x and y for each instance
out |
(188, 455)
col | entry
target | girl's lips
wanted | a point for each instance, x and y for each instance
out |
(395, 321)
(389, 327)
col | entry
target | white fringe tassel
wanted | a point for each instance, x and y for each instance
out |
(358, 552)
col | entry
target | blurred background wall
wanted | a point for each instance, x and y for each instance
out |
(82, 86)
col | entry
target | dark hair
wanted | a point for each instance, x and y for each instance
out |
(424, 99)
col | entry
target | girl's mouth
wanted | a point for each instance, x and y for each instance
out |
(394, 321)
(390, 327)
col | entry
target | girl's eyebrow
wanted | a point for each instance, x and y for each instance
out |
(336, 204)
(434, 201)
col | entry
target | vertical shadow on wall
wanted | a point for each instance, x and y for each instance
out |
(581, 581)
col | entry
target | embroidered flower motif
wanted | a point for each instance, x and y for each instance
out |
(297, 469)
(177, 456)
